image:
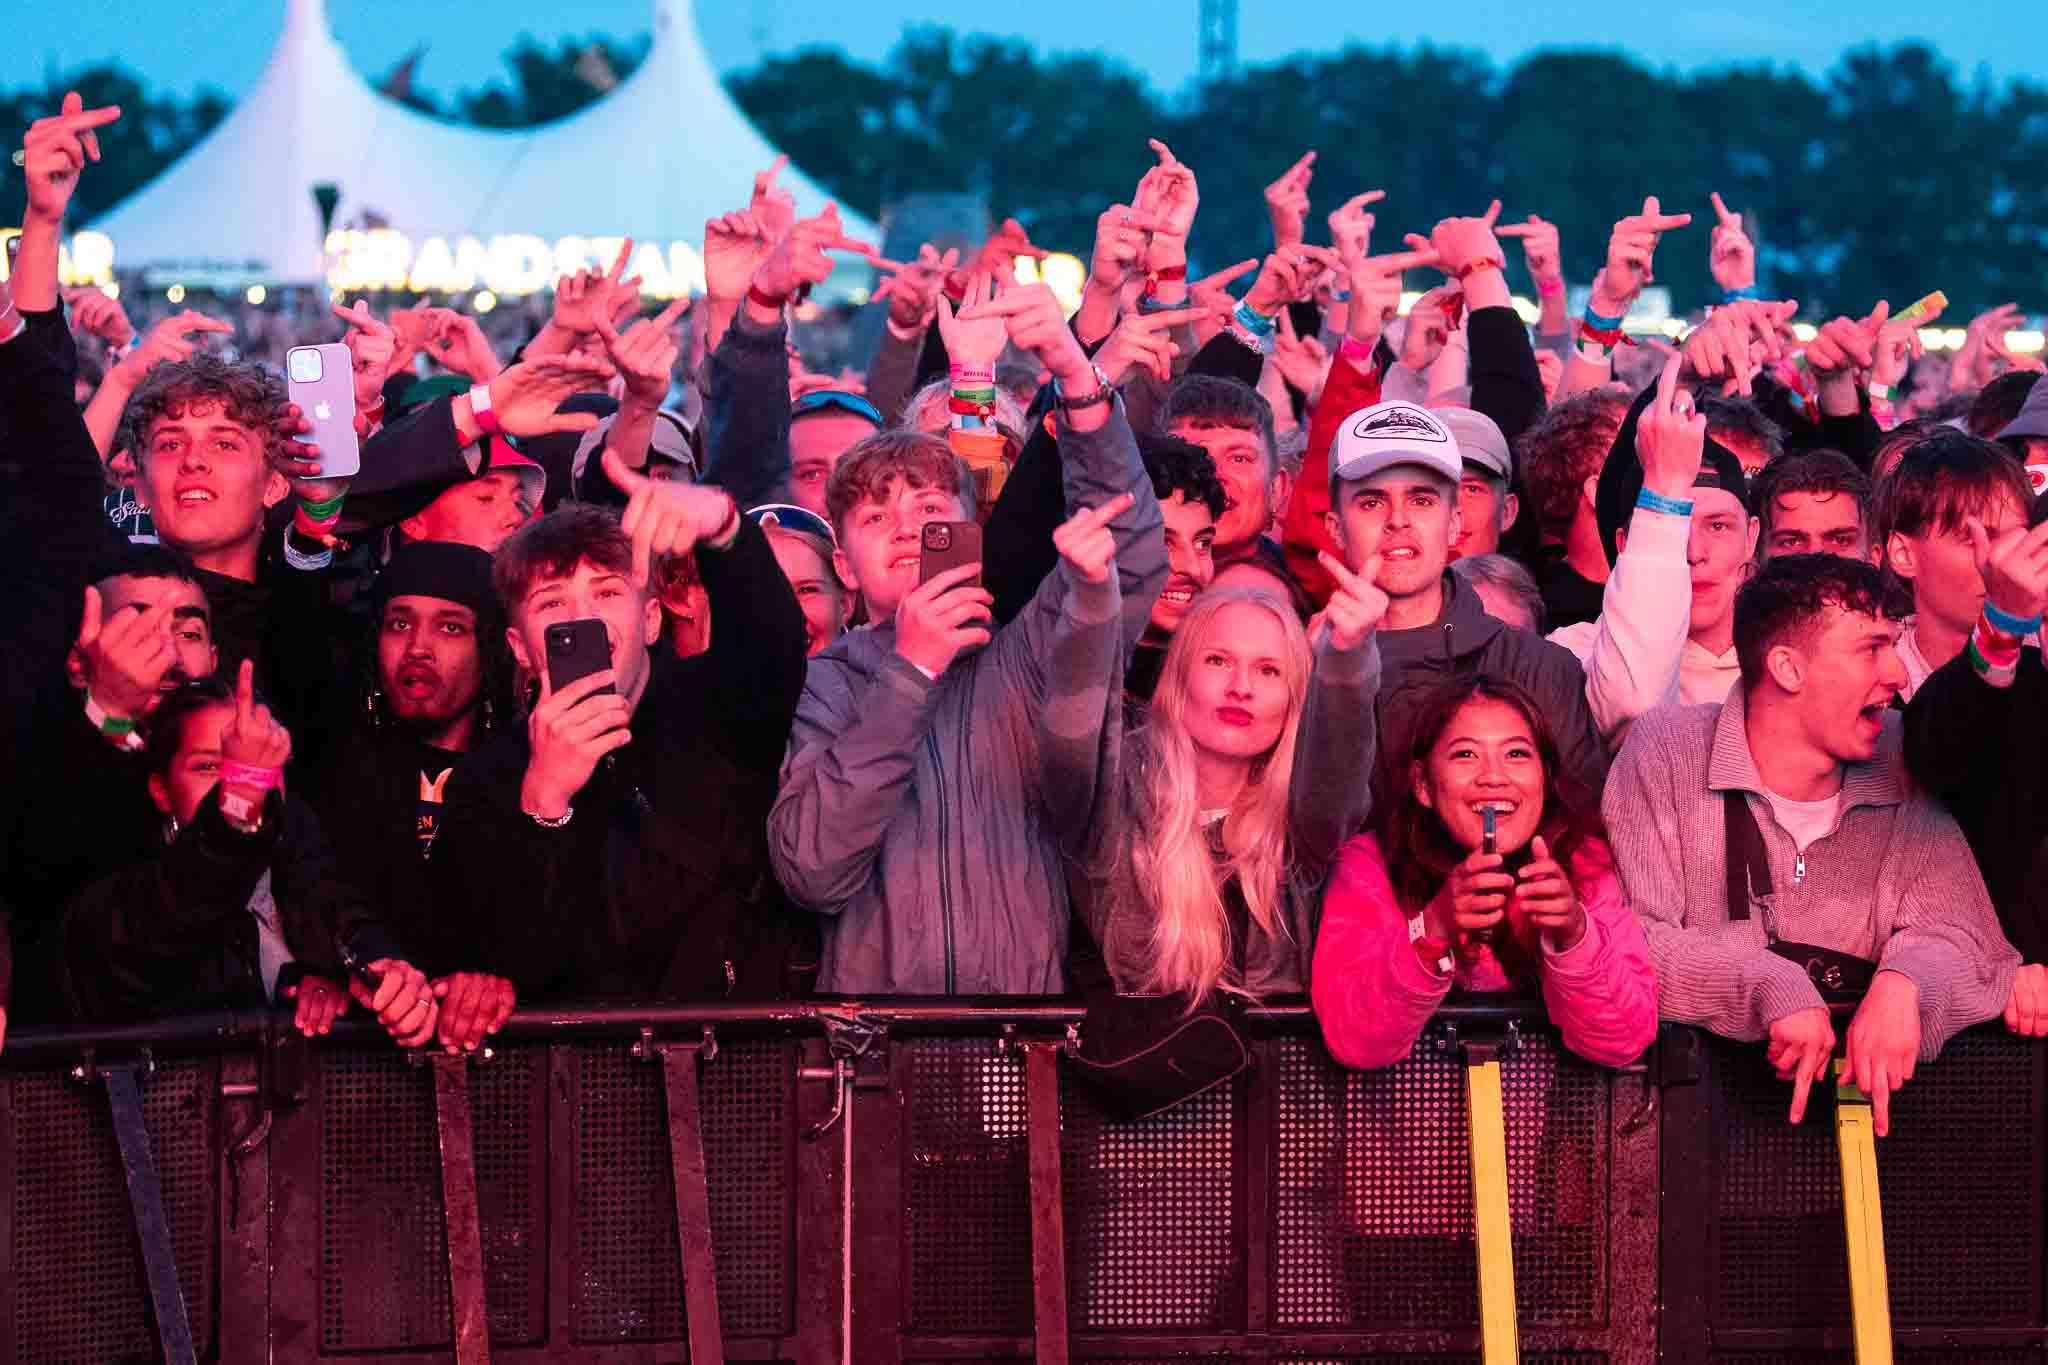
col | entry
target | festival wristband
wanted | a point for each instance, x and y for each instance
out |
(119, 730)
(239, 811)
(1607, 338)
(2005, 623)
(1651, 501)
(1551, 288)
(1170, 272)
(1359, 353)
(480, 411)
(768, 301)
(1255, 322)
(1471, 268)
(1747, 291)
(255, 776)
(1996, 661)
(972, 376)
(1598, 323)
(1882, 393)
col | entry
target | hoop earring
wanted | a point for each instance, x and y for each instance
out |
(486, 716)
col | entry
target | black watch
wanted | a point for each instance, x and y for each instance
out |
(1104, 392)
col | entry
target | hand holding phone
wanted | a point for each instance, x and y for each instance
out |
(581, 718)
(947, 545)
(577, 649)
(948, 611)
(321, 380)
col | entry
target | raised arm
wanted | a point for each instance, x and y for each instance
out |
(1329, 794)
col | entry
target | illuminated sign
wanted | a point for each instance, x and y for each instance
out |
(88, 258)
(509, 266)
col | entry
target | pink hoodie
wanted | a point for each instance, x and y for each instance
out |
(1373, 995)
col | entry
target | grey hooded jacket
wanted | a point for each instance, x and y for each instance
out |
(912, 813)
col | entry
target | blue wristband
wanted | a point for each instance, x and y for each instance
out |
(1600, 324)
(1748, 291)
(2018, 626)
(1255, 322)
(1656, 502)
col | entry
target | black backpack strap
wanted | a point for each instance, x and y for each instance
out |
(1749, 866)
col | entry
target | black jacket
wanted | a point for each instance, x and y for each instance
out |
(1984, 751)
(660, 883)
(174, 934)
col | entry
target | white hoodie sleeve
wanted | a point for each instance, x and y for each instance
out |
(1631, 653)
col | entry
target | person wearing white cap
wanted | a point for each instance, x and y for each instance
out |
(1394, 475)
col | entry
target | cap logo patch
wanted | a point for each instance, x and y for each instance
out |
(1406, 422)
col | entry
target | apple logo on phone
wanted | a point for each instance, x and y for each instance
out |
(323, 411)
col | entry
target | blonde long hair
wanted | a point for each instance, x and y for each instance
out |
(1189, 943)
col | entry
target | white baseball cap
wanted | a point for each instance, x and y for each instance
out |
(1387, 434)
(1480, 440)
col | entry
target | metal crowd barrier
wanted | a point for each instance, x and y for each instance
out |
(924, 1182)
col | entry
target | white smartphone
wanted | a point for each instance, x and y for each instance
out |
(321, 380)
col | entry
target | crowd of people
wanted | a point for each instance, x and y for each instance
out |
(1198, 647)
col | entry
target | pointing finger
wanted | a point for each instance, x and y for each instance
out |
(1667, 384)
(627, 480)
(245, 695)
(89, 622)
(1729, 218)
(1223, 277)
(619, 265)
(1492, 214)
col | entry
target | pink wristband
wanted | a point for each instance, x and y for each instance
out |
(966, 375)
(1549, 289)
(1356, 351)
(237, 774)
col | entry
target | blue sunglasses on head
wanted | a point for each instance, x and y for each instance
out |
(791, 518)
(819, 399)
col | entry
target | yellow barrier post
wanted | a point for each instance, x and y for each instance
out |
(1486, 1120)
(1869, 1296)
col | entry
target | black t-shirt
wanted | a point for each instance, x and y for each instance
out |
(1569, 597)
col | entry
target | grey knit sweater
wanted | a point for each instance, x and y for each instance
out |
(1894, 883)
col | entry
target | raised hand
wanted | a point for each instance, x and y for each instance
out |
(1801, 1043)
(997, 257)
(1429, 329)
(1731, 256)
(1287, 202)
(799, 258)
(1899, 345)
(1671, 437)
(1376, 288)
(1168, 192)
(1731, 345)
(473, 1005)
(1632, 250)
(943, 616)
(645, 356)
(1351, 226)
(1541, 251)
(584, 297)
(1211, 293)
(1032, 318)
(1463, 245)
(665, 517)
(973, 339)
(735, 246)
(773, 207)
(1302, 361)
(1085, 541)
(1287, 276)
(1544, 896)
(54, 153)
(1357, 607)
(1140, 341)
(525, 396)
(912, 289)
(1845, 344)
(166, 341)
(569, 731)
(124, 660)
(2014, 567)
(460, 345)
(371, 346)
(97, 315)
(1122, 235)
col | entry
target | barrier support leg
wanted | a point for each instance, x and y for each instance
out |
(1487, 1124)
(455, 1131)
(1048, 1211)
(1869, 1294)
(693, 1199)
(146, 1203)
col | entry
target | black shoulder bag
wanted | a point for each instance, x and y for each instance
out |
(1749, 883)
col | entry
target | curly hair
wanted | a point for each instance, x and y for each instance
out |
(248, 394)
(1790, 594)
(1182, 467)
(552, 546)
(1565, 447)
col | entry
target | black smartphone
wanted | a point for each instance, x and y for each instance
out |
(577, 649)
(948, 545)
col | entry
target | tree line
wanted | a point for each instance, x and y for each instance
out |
(1889, 175)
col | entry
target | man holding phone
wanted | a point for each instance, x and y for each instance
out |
(614, 844)
(910, 811)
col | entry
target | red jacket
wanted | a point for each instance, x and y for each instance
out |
(1373, 995)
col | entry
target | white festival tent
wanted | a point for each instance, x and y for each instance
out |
(652, 160)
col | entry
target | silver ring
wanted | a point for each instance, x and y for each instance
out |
(1683, 409)
(21, 157)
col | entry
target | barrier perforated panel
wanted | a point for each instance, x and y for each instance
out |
(1154, 1235)
(967, 1189)
(1963, 1248)
(79, 1288)
(505, 1096)
(627, 1281)
(1979, 1355)
(1374, 1199)
(628, 1285)
(383, 1266)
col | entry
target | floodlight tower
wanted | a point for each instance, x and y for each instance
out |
(1218, 40)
